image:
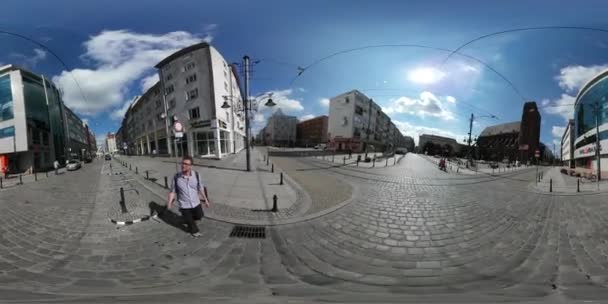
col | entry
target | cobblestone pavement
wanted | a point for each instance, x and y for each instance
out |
(422, 238)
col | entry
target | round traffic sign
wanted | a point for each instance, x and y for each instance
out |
(178, 126)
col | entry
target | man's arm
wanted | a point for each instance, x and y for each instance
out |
(171, 198)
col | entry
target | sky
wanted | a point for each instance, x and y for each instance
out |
(102, 54)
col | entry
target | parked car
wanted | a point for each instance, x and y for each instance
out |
(108, 157)
(401, 151)
(88, 159)
(73, 165)
(321, 147)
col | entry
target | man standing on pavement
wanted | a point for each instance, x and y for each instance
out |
(56, 165)
(189, 191)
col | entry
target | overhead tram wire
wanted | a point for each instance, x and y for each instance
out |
(456, 51)
(54, 55)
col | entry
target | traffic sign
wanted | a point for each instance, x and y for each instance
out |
(178, 126)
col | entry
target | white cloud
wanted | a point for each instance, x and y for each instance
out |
(563, 106)
(301, 89)
(415, 131)
(119, 58)
(324, 102)
(573, 77)
(450, 99)
(85, 121)
(259, 118)
(149, 81)
(31, 60)
(427, 105)
(119, 113)
(307, 117)
(283, 101)
(558, 131)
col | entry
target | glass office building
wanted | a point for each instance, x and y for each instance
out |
(592, 105)
(31, 120)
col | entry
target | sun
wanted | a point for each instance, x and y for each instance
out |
(425, 75)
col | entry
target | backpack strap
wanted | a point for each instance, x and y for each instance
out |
(198, 182)
(175, 185)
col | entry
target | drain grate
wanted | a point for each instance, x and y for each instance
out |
(248, 232)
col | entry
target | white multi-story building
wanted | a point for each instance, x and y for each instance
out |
(194, 83)
(356, 122)
(111, 143)
(567, 146)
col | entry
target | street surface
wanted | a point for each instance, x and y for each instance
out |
(404, 233)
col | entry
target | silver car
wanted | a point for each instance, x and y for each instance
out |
(73, 165)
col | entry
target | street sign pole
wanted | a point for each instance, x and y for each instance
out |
(178, 130)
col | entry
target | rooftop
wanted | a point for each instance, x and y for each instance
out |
(506, 128)
(181, 52)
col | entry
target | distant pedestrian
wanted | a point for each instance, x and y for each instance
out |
(56, 165)
(189, 191)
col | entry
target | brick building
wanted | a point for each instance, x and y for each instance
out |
(312, 131)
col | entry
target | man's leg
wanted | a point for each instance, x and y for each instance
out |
(187, 214)
(197, 213)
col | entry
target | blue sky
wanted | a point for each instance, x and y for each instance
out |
(110, 47)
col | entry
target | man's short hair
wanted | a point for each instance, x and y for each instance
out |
(188, 157)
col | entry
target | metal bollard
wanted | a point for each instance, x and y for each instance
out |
(130, 168)
(578, 185)
(374, 163)
(20, 179)
(344, 160)
(272, 169)
(147, 176)
(357, 162)
(281, 178)
(386, 165)
(0, 182)
(550, 185)
(332, 158)
(166, 185)
(110, 166)
(136, 172)
(267, 159)
(274, 203)
(123, 206)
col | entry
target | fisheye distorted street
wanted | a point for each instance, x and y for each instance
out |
(343, 152)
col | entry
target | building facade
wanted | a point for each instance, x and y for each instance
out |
(438, 145)
(195, 81)
(32, 122)
(312, 131)
(567, 145)
(78, 144)
(514, 141)
(591, 117)
(280, 130)
(111, 143)
(357, 123)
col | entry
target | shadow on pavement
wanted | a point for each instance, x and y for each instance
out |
(167, 216)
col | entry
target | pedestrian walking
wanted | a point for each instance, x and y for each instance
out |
(189, 191)
(56, 165)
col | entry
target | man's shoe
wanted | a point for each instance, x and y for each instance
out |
(198, 234)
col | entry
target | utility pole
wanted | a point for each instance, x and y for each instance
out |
(246, 104)
(597, 142)
(469, 141)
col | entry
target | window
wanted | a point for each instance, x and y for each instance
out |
(194, 113)
(191, 78)
(157, 103)
(35, 137)
(6, 98)
(169, 76)
(189, 66)
(172, 103)
(346, 100)
(150, 124)
(169, 89)
(7, 132)
(45, 138)
(192, 94)
(358, 110)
